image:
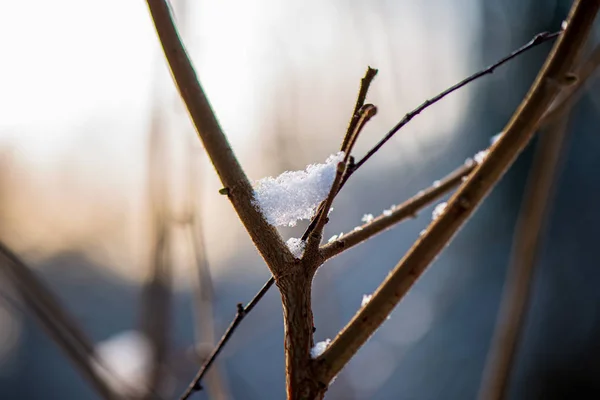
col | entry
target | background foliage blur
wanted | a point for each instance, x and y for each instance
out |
(98, 162)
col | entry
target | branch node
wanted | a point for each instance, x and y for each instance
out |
(224, 191)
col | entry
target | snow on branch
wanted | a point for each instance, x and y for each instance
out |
(295, 195)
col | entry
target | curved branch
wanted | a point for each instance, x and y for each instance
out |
(463, 203)
(237, 186)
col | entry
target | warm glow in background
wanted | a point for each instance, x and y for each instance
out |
(79, 80)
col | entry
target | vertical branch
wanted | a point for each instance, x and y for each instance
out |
(156, 294)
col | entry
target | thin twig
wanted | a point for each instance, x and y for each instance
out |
(533, 214)
(237, 186)
(406, 210)
(463, 203)
(365, 84)
(242, 311)
(360, 116)
(537, 40)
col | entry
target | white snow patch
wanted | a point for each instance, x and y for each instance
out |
(365, 299)
(479, 157)
(496, 137)
(436, 184)
(367, 218)
(295, 195)
(296, 246)
(438, 210)
(469, 162)
(319, 348)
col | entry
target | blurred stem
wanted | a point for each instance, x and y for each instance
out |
(55, 319)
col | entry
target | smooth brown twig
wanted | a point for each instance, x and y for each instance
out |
(462, 204)
(242, 311)
(365, 84)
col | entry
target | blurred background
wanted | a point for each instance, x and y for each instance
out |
(106, 192)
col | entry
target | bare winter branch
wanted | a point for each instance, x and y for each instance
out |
(406, 210)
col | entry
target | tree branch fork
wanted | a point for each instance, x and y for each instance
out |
(307, 378)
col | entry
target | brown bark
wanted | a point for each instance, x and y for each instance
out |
(295, 288)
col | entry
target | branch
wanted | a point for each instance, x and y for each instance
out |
(406, 210)
(237, 187)
(463, 203)
(239, 316)
(360, 116)
(330, 250)
(533, 214)
(53, 317)
(409, 208)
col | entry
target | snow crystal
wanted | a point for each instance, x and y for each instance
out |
(438, 210)
(436, 184)
(295, 195)
(564, 25)
(296, 246)
(123, 361)
(366, 298)
(424, 231)
(356, 229)
(319, 348)
(496, 137)
(332, 239)
(479, 157)
(367, 218)
(469, 162)
(387, 212)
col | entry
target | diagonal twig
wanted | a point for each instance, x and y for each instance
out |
(463, 203)
(406, 210)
